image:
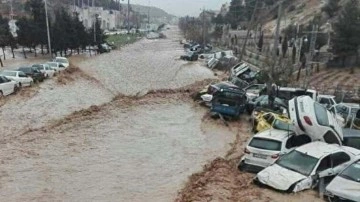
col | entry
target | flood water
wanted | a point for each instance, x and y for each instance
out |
(138, 153)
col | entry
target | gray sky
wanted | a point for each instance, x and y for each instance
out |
(182, 7)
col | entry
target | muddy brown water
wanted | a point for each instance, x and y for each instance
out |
(142, 153)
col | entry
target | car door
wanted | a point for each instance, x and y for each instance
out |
(8, 86)
(23, 78)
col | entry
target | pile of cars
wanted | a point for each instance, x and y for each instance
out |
(302, 140)
(193, 50)
(13, 80)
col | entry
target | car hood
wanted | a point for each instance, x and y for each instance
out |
(344, 188)
(278, 177)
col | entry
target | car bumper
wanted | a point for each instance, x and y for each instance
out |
(249, 167)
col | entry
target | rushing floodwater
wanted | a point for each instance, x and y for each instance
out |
(143, 153)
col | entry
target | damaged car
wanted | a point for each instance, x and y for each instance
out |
(301, 168)
(267, 120)
(264, 148)
(190, 56)
(228, 102)
(345, 186)
(312, 118)
(245, 72)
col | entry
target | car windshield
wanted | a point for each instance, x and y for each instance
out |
(321, 114)
(266, 144)
(7, 73)
(61, 60)
(298, 162)
(352, 172)
(25, 69)
(282, 125)
(38, 66)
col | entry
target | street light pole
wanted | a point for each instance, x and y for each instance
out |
(128, 17)
(47, 28)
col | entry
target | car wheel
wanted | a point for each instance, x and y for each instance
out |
(20, 85)
(31, 83)
(1, 94)
(241, 166)
(291, 188)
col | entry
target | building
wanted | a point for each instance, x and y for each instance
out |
(110, 19)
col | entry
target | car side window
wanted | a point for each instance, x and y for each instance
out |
(340, 158)
(1, 80)
(324, 101)
(330, 138)
(297, 141)
(332, 110)
(325, 163)
(22, 74)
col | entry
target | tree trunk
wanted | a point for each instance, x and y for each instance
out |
(24, 52)
(3, 50)
(78, 51)
(343, 59)
(42, 49)
(71, 51)
(1, 63)
(90, 51)
(35, 51)
(12, 51)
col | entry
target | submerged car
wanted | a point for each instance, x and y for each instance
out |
(267, 120)
(245, 72)
(346, 110)
(264, 148)
(18, 76)
(190, 56)
(34, 73)
(253, 91)
(263, 102)
(327, 100)
(311, 118)
(345, 186)
(229, 102)
(63, 61)
(300, 169)
(7, 86)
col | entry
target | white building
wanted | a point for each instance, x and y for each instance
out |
(110, 19)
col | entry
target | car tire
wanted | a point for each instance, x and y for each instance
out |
(241, 166)
(31, 84)
(1, 94)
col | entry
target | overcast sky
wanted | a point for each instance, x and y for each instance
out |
(182, 7)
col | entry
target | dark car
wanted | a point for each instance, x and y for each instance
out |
(229, 102)
(33, 72)
(190, 56)
(351, 138)
(263, 102)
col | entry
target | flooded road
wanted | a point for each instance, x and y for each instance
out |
(132, 153)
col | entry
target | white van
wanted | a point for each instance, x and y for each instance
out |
(290, 93)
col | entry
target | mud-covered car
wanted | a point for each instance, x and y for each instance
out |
(190, 56)
(263, 102)
(302, 168)
(264, 148)
(345, 186)
(312, 118)
(268, 120)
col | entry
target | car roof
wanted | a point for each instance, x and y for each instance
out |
(274, 134)
(326, 96)
(319, 149)
(10, 71)
(351, 105)
(60, 58)
(296, 89)
(351, 132)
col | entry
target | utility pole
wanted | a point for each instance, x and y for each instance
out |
(277, 33)
(310, 55)
(250, 25)
(11, 10)
(128, 17)
(148, 27)
(47, 28)
(203, 19)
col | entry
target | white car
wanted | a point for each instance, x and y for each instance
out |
(45, 68)
(264, 148)
(7, 86)
(56, 66)
(301, 168)
(63, 61)
(345, 186)
(254, 90)
(18, 76)
(313, 119)
(346, 110)
(327, 100)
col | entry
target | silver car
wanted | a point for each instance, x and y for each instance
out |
(345, 186)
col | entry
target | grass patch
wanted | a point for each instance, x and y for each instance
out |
(123, 39)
